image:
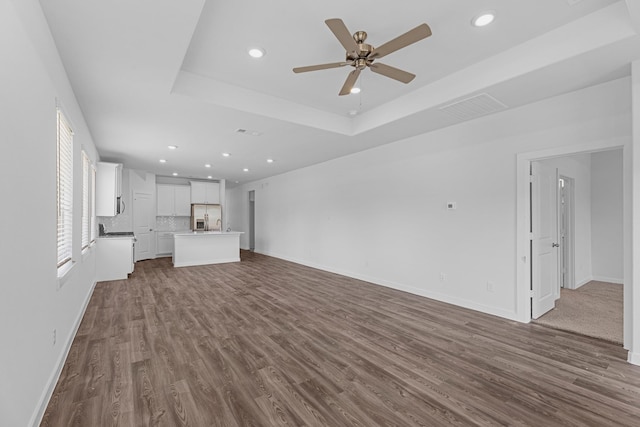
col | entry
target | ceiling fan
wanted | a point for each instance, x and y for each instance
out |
(361, 55)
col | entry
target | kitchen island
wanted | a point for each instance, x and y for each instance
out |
(205, 247)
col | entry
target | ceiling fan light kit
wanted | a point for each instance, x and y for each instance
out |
(483, 19)
(361, 55)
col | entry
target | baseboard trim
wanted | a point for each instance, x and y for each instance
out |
(608, 280)
(36, 418)
(460, 302)
(633, 358)
(196, 263)
(582, 282)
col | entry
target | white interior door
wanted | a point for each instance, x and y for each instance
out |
(143, 225)
(544, 238)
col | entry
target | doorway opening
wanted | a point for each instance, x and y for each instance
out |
(566, 229)
(575, 212)
(252, 220)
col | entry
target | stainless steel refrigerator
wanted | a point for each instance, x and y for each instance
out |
(206, 217)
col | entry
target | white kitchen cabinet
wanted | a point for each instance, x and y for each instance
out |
(114, 258)
(109, 189)
(164, 243)
(165, 200)
(173, 200)
(205, 192)
(182, 194)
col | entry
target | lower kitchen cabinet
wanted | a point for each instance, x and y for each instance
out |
(114, 258)
(164, 243)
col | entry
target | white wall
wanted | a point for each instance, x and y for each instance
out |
(380, 215)
(578, 167)
(606, 216)
(33, 302)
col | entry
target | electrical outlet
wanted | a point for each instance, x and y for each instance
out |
(54, 337)
(490, 286)
(443, 277)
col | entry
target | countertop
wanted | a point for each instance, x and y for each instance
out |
(207, 233)
(117, 235)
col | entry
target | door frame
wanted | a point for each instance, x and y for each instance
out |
(567, 255)
(523, 221)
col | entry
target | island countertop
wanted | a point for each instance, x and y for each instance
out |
(206, 233)
(205, 247)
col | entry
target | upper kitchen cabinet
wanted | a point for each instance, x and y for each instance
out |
(173, 200)
(109, 189)
(205, 192)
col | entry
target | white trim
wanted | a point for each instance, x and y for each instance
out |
(460, 302)
(217, 261)
(65, 272)
(36, 417)
(618, 281)
(581, 283)
(634, 358)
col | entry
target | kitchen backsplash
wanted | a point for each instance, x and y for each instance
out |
(120, 222)
(172, 223)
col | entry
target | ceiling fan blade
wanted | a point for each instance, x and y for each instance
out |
(351, 80)
(343, 35)
(420, 32)
(320, 67)
(394, 73)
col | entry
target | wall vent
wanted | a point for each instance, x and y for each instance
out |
(473, 107)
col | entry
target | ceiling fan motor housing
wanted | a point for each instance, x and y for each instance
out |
(359, 57)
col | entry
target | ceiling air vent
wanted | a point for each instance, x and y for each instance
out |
(248, 132)
(473, 107)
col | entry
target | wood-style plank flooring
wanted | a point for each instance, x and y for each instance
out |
(266, 342)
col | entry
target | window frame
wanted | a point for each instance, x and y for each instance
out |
(86, 202)
(64, 193)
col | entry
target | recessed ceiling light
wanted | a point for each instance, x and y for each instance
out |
(245, 170)
(209, 177)
(484, 18)
(175, 174)
(225, 154)
(256, 52)
(163, 161)
(207, 165)
(355, 90)
(353, 112)
(269, 160)
(172, 147)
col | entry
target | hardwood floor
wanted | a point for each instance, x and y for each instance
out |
(266, 342)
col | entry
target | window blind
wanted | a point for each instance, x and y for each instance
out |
(86, 211)
(64, 190)
(92, 225)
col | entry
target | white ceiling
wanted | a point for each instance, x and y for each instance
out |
(151, 73)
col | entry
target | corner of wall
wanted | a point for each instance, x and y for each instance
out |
(39, 411)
